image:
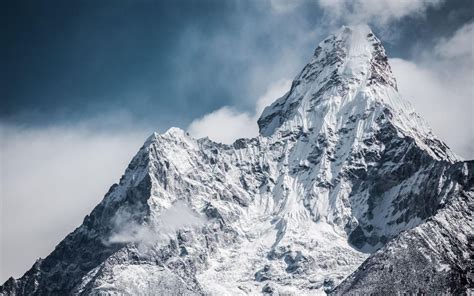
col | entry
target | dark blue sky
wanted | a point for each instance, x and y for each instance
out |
(165, 63)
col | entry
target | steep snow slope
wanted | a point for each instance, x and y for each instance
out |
(342, 165)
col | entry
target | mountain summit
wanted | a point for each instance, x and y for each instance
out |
(343, 65)
(345, 190)
(348, 75)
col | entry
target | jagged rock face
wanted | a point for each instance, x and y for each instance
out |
(433, 258)
(342, 165)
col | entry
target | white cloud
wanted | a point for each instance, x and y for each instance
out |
(50, 179)
(440, 86)
(225, 125)
(379, 12)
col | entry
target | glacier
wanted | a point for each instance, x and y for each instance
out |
(346, 190)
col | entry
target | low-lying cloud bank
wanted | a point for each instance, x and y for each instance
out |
(50, 179)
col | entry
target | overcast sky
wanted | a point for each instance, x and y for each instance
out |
(83, 83)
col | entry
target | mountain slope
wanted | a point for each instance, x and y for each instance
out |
(342, 166)
(433, 258)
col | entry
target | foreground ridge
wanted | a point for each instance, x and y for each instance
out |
(432, 258)
(343, 173)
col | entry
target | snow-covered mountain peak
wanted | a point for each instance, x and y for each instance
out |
(348, 85)
(342, 165)
(345, 68)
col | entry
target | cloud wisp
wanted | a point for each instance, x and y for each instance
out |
(378, 12)
(178, 216)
